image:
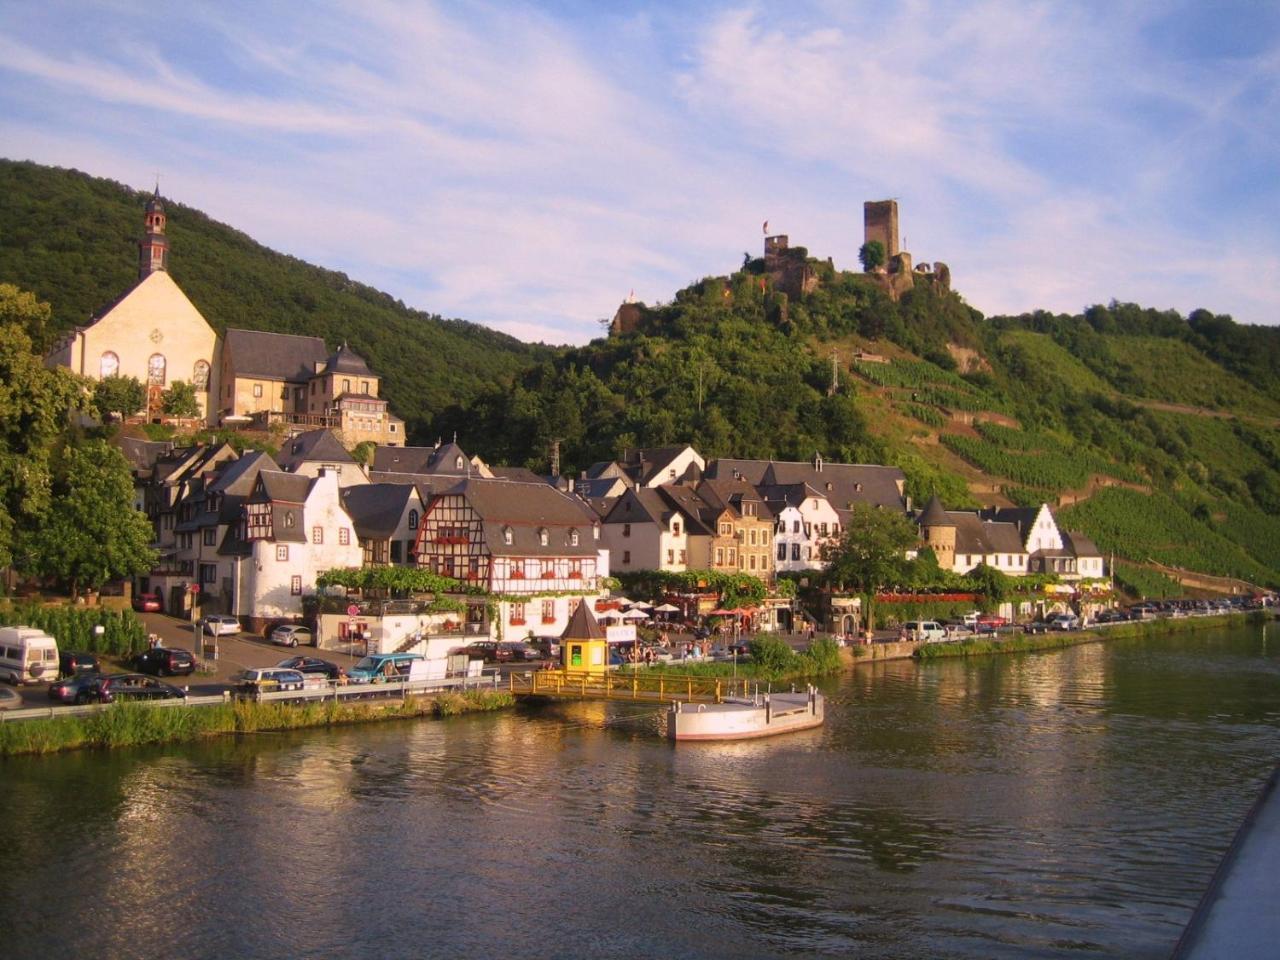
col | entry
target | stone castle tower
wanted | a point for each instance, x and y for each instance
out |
(153, 251)
(880, 222)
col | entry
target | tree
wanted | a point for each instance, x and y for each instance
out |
(32, 315)
(993, 584)
(180, 401)
(90, 532)
(34, 406)
(870, 554)
(872, 255)
(120, 395)
(363, 452)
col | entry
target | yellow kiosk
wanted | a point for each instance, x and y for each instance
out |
(583, 646)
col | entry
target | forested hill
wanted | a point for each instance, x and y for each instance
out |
(72, 240)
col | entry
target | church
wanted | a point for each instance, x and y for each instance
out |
(153, 333)
(252, 378)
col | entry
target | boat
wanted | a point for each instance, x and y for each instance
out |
(746, 718)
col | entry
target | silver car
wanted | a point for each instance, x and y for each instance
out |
(218, 624)
(290, 635)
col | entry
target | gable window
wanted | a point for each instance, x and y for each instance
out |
(109, 365)
(413, 519)
(282, 551)
(675, 528)
(344, 536)
(317, 534)
(295, 585)
(458, 462)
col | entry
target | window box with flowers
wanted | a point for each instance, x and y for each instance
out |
(575, 574)
(517, 621)
(516, 575)
(548, 575)
(454, 541)
(548, 619)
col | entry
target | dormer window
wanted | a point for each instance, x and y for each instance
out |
(595, 531)
(543, 536)
(573, 538)
(458, 462)
(508, 537)
(289, 519)
(828, 486)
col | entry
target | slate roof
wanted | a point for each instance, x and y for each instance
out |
(376, 508)
(313, 446)
(526, 508)
(583, 625)
(596, 488)
(779, 496)
(640, 505)
(700, 516)
(428, 461)
(934, 515)
(977, 536)
(143, 454)
(842, 484)
(1080, 545)
(346, 360)
(522, 474)
(274, 356)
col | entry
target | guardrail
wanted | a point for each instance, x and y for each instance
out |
(328, 691)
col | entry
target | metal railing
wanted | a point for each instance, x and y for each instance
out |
(630, 686)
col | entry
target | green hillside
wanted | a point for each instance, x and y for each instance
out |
(72, 240)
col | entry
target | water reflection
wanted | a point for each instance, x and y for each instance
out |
(1050, 805)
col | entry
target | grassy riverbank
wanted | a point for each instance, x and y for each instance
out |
(1054, 641)
(138, 724)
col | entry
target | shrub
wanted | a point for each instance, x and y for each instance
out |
(772, 654)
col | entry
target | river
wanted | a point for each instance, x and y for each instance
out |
(1068, 804)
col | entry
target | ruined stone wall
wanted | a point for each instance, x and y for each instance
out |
(880, 222)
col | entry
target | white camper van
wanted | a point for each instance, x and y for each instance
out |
(27, 655)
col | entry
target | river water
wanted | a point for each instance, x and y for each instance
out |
(1067, 804)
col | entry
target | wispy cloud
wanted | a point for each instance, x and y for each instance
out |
(525, 168)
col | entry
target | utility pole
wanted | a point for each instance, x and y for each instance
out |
(555, 458)
(835, 373)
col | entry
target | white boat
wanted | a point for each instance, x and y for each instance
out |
(745, 718)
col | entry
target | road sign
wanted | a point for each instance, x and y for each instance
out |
(353, 611)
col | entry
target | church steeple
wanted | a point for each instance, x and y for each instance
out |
(153, 251)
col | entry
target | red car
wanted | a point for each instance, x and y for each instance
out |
(148, 603)
(993, 620)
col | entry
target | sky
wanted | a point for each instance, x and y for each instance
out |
(528, 165)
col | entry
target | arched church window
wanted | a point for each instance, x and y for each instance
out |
(110, 364)
(155, 370)
(200, 375)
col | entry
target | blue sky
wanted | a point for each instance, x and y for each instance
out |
(525, 166)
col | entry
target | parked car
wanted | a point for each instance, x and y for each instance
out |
(10, 699)
(27, 655)
(992, 620)
(518, 650)
(1064, 621)
(78, 688)
(930, 631)
(383, 666)
(165, 662)
(218, 624)
(269, 680)
(1111, 616)
(132, 686)
(71, 663)
(312, 665)
(489, 651)
(290, 635)
(148, 603)
(1036, 626)
(548, 647)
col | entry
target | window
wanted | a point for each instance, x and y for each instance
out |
(671, 556)
(109, 365)
(543, 536)
(573, 538)
(413, 519)
(719, 556)
(210, 536)
(344, 536)
(548, 611)
(458, 462)
(795, 550)
(346, 385)
(200, 375)
(626, 557)
(517, 614)
(392, 428)
(282, 551)
(155, 370)
(752, 564)
(684, 557)
(395, 551)
(208, 573)
(517, 570)
(364, 386)
(753, 537)
(626, 529)
(295, 586)
(317, 534)
(733, 556)
(795, 525)
(808, 553)
(507, 536)
(257, 390)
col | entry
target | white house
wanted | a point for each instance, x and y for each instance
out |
(644, 530)
(294, 529)
(805, 521)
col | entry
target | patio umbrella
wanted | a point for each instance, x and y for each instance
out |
(642, 604)
(634, 614)
(621, 601)
(667, 608)
(609, 615)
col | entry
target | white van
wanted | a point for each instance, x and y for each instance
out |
(27, 655)
(930, 631)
